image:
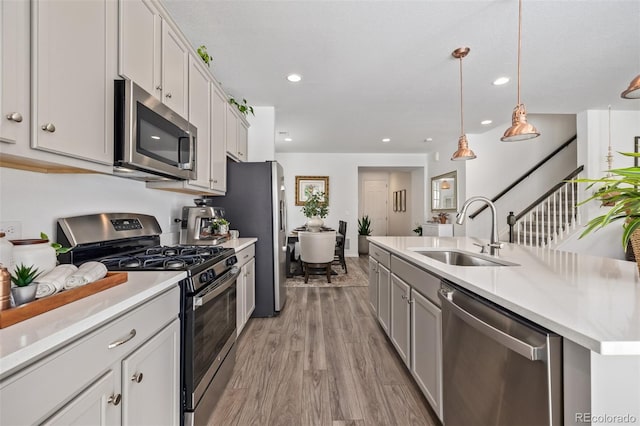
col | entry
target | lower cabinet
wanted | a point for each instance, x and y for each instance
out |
(126, 372)
(373, 284)
(384, 297)
(400, 317)
(246, 287)
(426, 349)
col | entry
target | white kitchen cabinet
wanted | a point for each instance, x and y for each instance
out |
(384, 297)
(153, 54)
(14, 71)
(237, 134)
(218, 139)
(151, 380)
(373, 285)
(87, 380)
(245, 287)
(426, 349)
(73, 105)
(400, 317)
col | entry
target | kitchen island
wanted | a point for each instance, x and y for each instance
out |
(592, 302)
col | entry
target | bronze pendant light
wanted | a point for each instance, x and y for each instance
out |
(520, 130)
(633, 91)
(463, 152)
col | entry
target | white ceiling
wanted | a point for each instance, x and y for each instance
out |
(376, 69)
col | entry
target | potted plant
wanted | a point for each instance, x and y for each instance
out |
(25, 289)
(315, 209)
(621, 190)
(243, 106)
(223, 225)
(364, 230)
(418, 229)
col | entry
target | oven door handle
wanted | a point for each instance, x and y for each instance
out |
(229, 280)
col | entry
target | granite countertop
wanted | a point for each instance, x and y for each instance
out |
(32, 339)
(593, 301)
(239, 243)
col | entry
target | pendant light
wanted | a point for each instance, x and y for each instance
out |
(520, 130)
(633, 91)
(445, 184)
(463, 152)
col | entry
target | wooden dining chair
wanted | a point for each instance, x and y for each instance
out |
(339, 250)
(317, 251)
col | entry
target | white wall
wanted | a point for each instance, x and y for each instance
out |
(498, 164)
(439, 164)
(261, 145)
(342, 170)
(593, 134)
(418, 189)
(400, 222)
(37, 200)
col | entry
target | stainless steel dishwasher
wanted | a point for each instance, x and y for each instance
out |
(498, 369)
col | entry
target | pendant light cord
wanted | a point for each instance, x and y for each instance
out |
(519, 43)
(461, 102)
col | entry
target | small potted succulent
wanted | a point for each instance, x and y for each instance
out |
(364, 230)
(25, 288)
(223, 225)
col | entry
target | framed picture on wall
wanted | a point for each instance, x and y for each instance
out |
(313, 184)
(403, 200)
(395, 201)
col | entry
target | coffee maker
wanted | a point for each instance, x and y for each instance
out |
(196, 225)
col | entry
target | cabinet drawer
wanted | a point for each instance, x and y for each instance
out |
(245, 255)
(55, 379)
(382, 256)
(422, 281)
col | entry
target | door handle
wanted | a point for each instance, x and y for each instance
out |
(122, 341)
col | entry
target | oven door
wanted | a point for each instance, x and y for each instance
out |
(209, 332)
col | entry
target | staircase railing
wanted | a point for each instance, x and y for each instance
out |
(525, 175)
(549, 218)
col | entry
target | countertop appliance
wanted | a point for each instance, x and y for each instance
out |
(151, 142)
(255, 205)
(131, 242)
(196, 223)
(498, 368)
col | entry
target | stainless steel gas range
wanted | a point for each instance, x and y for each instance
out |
(131, 242)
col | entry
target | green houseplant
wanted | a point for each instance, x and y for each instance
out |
(243, 106)
(620, 189)
(202, 51)
(315, 208)
(364, 230)
(23, 278)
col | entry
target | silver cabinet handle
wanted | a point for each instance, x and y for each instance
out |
(14, 116)
(168, 95)
(158, 87)
(124, 340)
(114, 399)
(137, 377)
(49, 127)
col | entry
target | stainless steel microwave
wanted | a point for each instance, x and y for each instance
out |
(151, 141)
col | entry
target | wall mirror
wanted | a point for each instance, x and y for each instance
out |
(444, 192)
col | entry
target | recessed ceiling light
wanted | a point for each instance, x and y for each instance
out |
(428, 140)
(386, 140)
(486, 122)
(500, 81)
(294, 78)
(288, 139)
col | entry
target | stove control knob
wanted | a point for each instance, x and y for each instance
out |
(203, 278)
(211, 274)
(232, 261)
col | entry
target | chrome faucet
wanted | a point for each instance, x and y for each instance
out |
(494, 244)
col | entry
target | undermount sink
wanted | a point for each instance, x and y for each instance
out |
(459, 258)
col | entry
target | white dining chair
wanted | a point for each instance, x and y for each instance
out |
(317, 251)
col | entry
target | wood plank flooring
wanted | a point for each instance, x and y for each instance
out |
(323, 361)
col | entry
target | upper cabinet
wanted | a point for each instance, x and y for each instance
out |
(237, 134)
(218, 139)
(57, 105)
(153, 55)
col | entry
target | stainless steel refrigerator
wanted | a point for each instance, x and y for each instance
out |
(255, 205)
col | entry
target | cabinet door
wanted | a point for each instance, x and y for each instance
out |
(240, 295)
(426, 349)
(373, 284)
(73, 111)
(139, 49)
(243, 140)
(218, 139)
(250, 289)
(151, 380)
(400, 317)
(232, 131)
(199, 116)
(96, 405)
(175, 68)
(14, 72)
(384, 297)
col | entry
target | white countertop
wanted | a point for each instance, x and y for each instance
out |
(30, 340)
(239, 243)
(590, 300)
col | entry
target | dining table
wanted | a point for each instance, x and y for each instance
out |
(292, 239)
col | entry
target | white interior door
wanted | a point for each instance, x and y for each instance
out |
(375, 204)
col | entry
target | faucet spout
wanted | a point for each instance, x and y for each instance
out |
(460, 217)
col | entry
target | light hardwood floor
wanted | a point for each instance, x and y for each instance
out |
(323, 361)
